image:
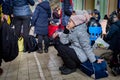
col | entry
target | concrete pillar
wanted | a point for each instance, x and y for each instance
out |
(89, 4)
(78, 4)
(103, 7)
(112, 6)
(97, 4)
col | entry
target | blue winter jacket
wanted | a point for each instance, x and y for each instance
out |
(18, 7)
(66, 12)
(40, 18)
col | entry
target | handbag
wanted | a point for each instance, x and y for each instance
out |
(21, 44)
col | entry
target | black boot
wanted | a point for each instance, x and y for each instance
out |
(66, 71)
(58, 54)
(40, 50)
(62, 68)
(1, 71)
(46, 50)
(115, 71)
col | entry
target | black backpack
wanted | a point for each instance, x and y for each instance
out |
(32, 44)
(9, 43)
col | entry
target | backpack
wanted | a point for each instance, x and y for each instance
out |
(32, 46)
(9, 43)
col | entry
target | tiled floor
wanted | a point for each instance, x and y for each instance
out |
(34, 66)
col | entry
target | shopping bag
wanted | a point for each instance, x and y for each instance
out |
(101, 43)
(31, 32)
(21, 44)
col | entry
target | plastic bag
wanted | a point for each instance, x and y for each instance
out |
(21, 44)
(101, 43)
(31, 32)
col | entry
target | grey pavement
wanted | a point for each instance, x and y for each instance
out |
(35, 66)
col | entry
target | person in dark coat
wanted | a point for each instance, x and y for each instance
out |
(22, 14)
(67, 10)
(113, 38)
(40, 21)
(1, 70)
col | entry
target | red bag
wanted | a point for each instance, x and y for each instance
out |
(53, 28)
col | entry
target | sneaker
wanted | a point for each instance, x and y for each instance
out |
(40, 50)
(66, 71)
(46, 50)
(1, 71)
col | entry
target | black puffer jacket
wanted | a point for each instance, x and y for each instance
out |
(113, 36)
(0, 45)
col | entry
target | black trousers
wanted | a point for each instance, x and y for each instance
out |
(67, 54)
(0, 47)
(115, 60)
(46, 41)
(22, 23)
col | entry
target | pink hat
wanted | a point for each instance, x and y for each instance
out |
(79, 19)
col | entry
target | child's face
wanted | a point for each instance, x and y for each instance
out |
(40, 1)
(70, 24)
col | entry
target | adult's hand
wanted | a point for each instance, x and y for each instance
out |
(4, 17)
(100, 60)
(55, 35)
